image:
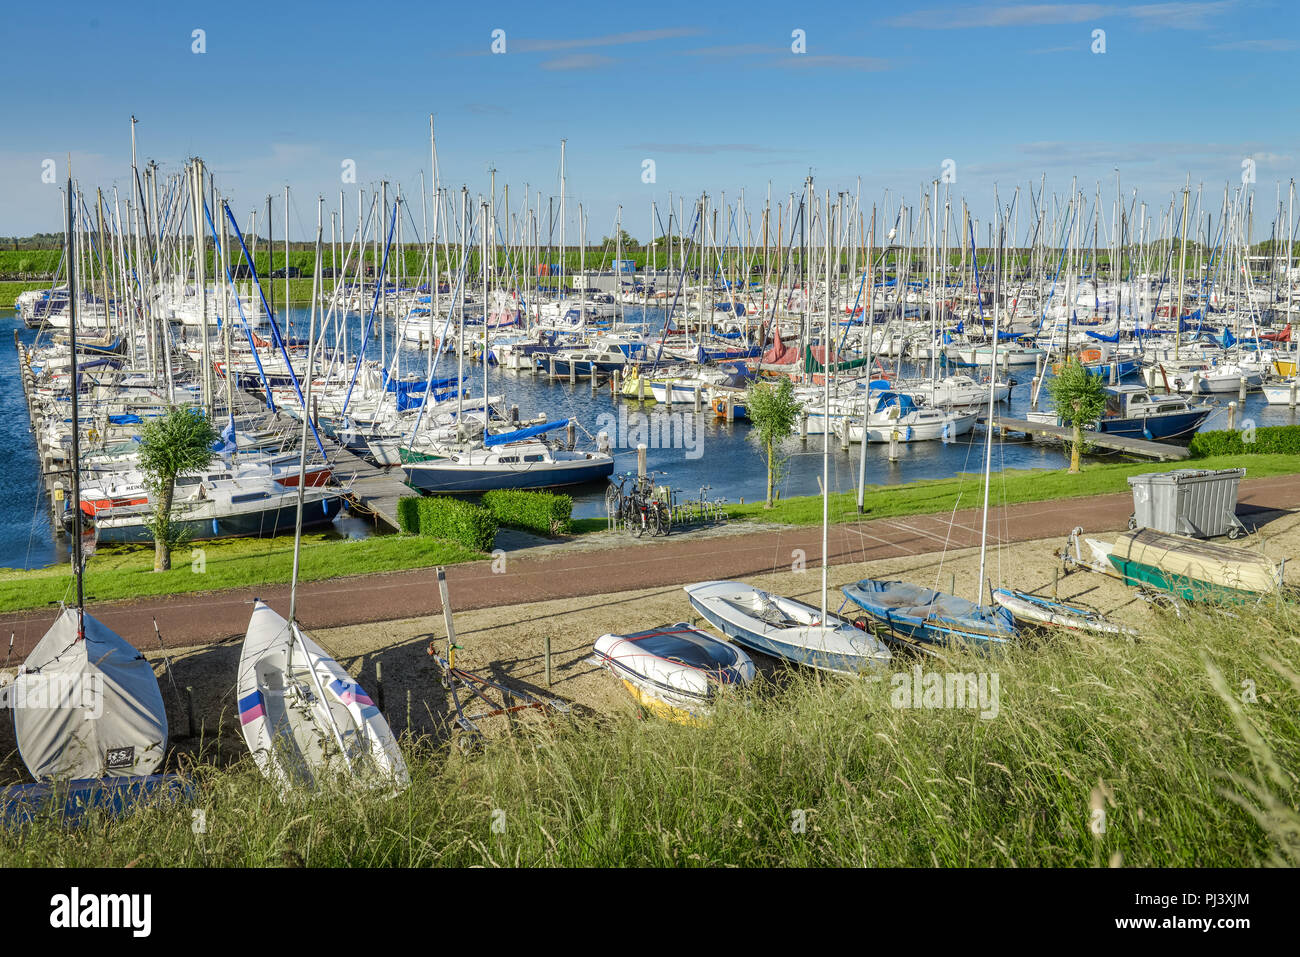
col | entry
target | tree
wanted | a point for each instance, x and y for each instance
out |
(177, 442)
(1080, 399)
(773, 410)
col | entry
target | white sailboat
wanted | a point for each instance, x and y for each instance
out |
(305, 719)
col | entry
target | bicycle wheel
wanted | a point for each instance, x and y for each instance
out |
(665, 519)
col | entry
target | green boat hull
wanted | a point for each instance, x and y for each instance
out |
(1188, 589)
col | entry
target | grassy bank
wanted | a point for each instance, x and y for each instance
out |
(1010, 486)
(128, 572)
(1100, 752)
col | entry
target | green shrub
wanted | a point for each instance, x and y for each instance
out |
(1271, 439)
(448, 518)
(543, 512)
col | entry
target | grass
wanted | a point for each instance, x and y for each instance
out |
(1009, 487)
(127, 571)
(1102, 752)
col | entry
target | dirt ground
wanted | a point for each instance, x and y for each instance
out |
(507, 643)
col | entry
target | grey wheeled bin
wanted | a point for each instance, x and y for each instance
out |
(1201, 503)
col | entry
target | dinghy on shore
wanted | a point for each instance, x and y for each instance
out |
(788, 629)
(1036, 610)
(675, 671)
(915, 613)
(304, 717)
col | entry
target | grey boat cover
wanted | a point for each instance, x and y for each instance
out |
(87, 709)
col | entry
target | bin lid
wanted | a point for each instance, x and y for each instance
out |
(1176, 476)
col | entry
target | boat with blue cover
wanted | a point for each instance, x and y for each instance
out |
(915, 613)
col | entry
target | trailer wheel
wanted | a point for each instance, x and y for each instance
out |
(1132, 522)
(1234, 532)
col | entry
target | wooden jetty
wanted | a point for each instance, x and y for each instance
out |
(1039, 431)
(370, 488)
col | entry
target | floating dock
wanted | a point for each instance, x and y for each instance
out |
(1038, 431)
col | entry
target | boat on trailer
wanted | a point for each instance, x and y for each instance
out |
(675, 671)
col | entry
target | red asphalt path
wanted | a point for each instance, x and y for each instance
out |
(201, 618)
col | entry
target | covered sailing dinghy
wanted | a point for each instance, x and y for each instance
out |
(87, 707)
(916, 613)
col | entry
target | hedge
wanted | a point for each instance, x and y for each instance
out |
(543, 512)
(448, 518)
(1271, 439)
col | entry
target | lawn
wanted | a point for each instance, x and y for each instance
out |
(127, 572)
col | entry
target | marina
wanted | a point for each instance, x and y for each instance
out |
(673, 439)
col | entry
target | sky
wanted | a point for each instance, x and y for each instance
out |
(874, 99)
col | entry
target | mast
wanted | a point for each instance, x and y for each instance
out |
(76, 421)
(306, 416)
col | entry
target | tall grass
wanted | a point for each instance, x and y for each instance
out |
(1158, 735)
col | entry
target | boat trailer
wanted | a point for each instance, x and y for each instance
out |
(463, 687)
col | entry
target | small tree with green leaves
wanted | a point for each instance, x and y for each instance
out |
(175, 443)
(1080, 399)
(773, 410)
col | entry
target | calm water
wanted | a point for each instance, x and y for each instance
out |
(713, 452)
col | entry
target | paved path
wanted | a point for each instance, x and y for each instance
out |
(575, 571)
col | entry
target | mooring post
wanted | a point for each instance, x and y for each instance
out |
(1241, 392)
(699, 398)
(803, 427)
(893, 445)
(1232, 416)
(1291, 400)
(640, 461)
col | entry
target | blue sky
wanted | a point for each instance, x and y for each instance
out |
(713, 94)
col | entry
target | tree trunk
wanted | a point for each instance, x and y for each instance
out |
(1075, 446)
(162, 551)
(769, 475)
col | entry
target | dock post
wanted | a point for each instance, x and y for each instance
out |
(893, 445)
(731, 406)
(573, 372)
(1241, 392)
(1291, 400)
(640, 461)
(552, 365)
(1114, 372)
(844, 435)
(699, 398)
(514, 416)
(803, 427)
(616, 384)
(1232, 416)
(1033, 393)
(640, 387)
(594, 382)
(570, 435)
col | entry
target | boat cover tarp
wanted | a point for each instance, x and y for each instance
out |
(520, 434)
(89, 708)
(917, 605)
(780, 354)
(1283, 336)
(814, 360)
(1223, 565)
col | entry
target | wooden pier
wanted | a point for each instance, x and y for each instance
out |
(370, 488)
(1038, 431)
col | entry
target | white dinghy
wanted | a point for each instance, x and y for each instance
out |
(307, 722)
(304, 717)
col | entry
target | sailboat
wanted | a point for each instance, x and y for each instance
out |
(305, 719)
(88, 714)
(913, 613)
(784, 627)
